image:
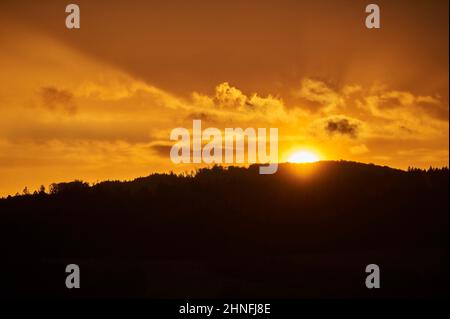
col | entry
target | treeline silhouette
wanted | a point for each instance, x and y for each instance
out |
(307, 231)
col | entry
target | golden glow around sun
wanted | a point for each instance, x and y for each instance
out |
(303, 157)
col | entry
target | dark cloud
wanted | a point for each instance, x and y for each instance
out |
(201, 116)
(342, 126)
(406, 129)
(437, 111)
(161, 149)
(55, 99)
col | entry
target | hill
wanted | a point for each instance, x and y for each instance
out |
(307, 231)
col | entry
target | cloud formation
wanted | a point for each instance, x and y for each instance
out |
(54, 99)
(101, 122)
(341, 126)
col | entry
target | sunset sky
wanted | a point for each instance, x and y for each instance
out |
(99, 102)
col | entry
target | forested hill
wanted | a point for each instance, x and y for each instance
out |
(233, 213)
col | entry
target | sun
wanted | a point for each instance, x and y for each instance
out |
(303, 157)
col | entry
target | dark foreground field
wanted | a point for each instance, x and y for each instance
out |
(307, 231)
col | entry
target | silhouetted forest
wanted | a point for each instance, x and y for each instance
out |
(307, 231)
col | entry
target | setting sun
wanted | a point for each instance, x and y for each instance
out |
(303, 157)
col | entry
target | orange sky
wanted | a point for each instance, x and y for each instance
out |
(99, 102)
